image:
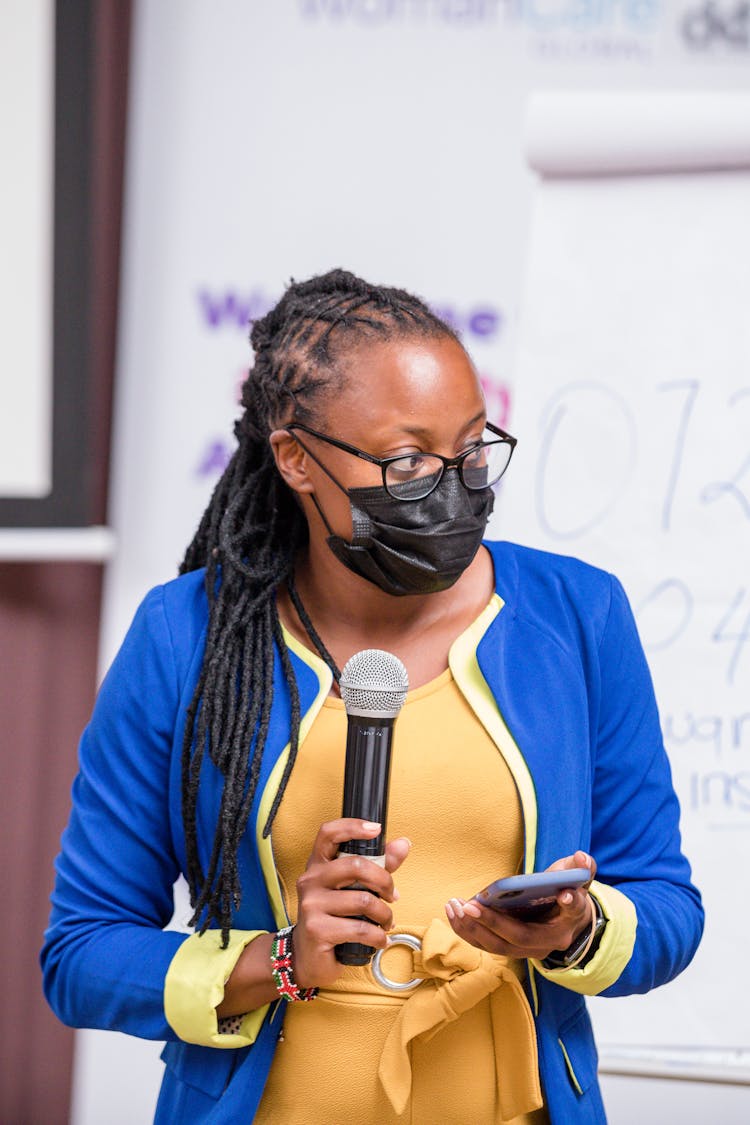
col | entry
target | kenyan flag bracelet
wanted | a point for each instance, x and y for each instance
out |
(282, 970)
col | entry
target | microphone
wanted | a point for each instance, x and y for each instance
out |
(373, 687)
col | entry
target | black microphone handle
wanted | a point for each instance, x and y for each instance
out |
(366, 778)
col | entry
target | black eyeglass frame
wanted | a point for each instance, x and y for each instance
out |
(457, 463)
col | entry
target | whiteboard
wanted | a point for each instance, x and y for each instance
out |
(633, 418)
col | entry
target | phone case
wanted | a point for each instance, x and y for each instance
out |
(522, 891)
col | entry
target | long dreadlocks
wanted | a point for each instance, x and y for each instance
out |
(247, 541)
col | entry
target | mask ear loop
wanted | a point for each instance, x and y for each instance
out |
(328, 473)
(296, 600)
(321, 513)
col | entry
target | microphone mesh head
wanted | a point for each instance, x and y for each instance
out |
(374, 683)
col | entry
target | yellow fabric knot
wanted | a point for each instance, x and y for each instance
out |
(458, 976)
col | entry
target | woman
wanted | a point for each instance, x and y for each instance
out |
(351, 517)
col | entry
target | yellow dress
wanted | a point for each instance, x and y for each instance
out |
(358, 1054)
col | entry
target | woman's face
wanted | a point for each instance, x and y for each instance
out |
(403, 396)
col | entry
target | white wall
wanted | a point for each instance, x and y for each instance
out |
(26, 189)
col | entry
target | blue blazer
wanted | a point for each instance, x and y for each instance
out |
(560, 681)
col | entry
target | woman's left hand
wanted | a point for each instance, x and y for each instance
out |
(498, 931)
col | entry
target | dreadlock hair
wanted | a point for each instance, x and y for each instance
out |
(247, 541)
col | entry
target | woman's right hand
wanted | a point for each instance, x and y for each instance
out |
(327, 912)
(326, 915)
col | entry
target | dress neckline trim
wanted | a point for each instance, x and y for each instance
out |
(475, 630)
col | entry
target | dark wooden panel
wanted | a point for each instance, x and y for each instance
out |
(49, 620)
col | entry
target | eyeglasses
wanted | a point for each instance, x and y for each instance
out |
(412, 476)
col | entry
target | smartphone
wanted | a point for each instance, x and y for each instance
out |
(532, 897)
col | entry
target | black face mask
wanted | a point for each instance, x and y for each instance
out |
(413, 546)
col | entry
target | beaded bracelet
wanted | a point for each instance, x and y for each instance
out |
(282, 970)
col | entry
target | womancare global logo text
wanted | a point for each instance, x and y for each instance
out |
(548, 17)
(379, 13)
(553, 30)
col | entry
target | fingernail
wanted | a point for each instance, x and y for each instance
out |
(408, 842)
(567, 898)
(449, 911)
(472, 910)
(458, 907)
(396, 895)
(369, 825)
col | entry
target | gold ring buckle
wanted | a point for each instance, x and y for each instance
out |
(396, 985)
